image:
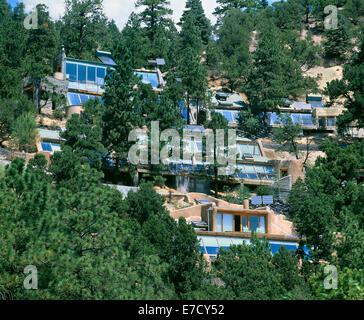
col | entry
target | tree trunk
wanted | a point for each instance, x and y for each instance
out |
(188, 109)
(36, 92)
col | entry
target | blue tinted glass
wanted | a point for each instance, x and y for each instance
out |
(228, 222)
(149, 78)
(274, 247)
(212, 250)
(184, 113)
(262, 223)
(71, 71)
(228, 116)
(235, 115)
(330, 122)
(84, 98)
(74, 99)
(307, 120)
(101, 73)
(219, 222)
(46, 146)
(243, 221)
(253, 223)
(91, 74)
(296, 118)
(81, 73)
(290, 247)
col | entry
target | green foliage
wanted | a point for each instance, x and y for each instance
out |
(251, 125)
(350, 285)
(238, 195)
(264, 191)
(354, 10)
(287, 135)
(84, 140)
(274, 75)
(25, 133)
(153, 15)
(121, 103)
(193, 75)
(338, 43)
(159, 181)
(82, 27)
(234, 39)
(322, 206)
(350, 89)
(248, 272)
(194, 8)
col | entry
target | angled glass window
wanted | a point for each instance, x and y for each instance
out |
(253, 223)
(228, 223)
(71, 71)
(101, 73)
(219, 222)
(81, 73)
(235, 115)
(74, 99)
(262, 223)
(84, 98)
(330, 122)
(91, 74)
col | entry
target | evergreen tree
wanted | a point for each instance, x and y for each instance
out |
(122, 105)
(248, 272)
(153, 15)
(274, 75)
(234, 40)
(190, 34)
(194, 8)
(135, 39)
(350, 88)
(338, 41)
(82, 28)
(84, 140)
(42, 47)
(226, 5)
(193, 75)
(24, 133)
(354, 10)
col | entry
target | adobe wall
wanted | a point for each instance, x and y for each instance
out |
(74, 110)
(190, 213)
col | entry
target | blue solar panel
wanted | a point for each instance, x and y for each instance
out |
(184, 113)
(149, 78)
(316, 104)
(46, 146)
(74, 99)
(257, 200)
(307, 120)
(84, 98)
(106, 58)
(212, 250)
(267, 199)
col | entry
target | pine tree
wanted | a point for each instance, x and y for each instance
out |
(82, 27)
(42, 47)
(274, 75)
(191, 35)
(153, 15)
(84, 140)
(134, 37)
(234, 40)
(194, 7)
(350, 88)
(338, 41)
(193, 75)
(122, 105)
